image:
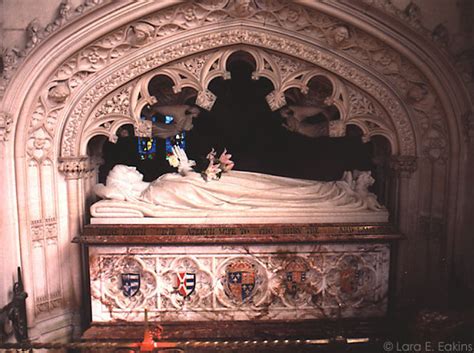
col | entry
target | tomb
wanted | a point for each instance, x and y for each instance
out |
(207, 243)
(244, 247)
(302, 90)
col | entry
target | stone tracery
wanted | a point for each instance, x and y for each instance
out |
(395, 109)
(119, 107)
(94, 58)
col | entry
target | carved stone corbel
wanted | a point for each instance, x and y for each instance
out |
(403, 166)
(275, 100)
(73, 167)
(206, 99)
(337, 128)
(6, 122)
(143, 128)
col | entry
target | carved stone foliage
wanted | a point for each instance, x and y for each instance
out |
(357, 45)
(74, 168)
(384, 95)
(119, 103)
(410, 15)
(35, 33)
(354, 106)
(113, 111)
(5, 125)
(369, 115)
(229, 283)
(404, 166)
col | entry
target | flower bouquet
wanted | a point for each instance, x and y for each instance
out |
(215, 166)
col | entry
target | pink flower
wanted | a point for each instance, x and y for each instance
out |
(211, 155)
(213, 172)
(225, 163)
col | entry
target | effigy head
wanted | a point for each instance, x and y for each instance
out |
(123, 175)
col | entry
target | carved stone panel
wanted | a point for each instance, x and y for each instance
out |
(286, 282)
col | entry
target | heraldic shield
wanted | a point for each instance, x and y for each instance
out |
(130, 284)
(240, 280)
(185, 283)
(295, 275)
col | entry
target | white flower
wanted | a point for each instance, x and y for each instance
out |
(173, 161)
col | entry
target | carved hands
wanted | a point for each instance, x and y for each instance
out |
(185, 165)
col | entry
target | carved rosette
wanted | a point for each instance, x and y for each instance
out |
(404, 166)
(6, 122)
(143, 128)
(206, 99)
(74, 168)
(276, 100)
(337, 128)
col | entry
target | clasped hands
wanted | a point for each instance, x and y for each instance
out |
(185, 165)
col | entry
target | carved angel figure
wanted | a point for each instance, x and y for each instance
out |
(295, 117)
(183, 116)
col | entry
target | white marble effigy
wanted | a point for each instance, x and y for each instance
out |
(113, 212)
(238, 197)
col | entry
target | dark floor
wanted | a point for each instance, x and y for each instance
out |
(425, 330)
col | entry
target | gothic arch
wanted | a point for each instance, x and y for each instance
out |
(51, 107)
(197, 71)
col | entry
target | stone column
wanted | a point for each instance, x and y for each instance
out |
(74, 170)
(9, 230)
(404, 209)
(403, 168)
(464, 239)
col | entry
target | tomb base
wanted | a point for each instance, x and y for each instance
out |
(248, 276)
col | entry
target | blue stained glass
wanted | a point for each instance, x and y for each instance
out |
(146, 147)
(177, 140)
